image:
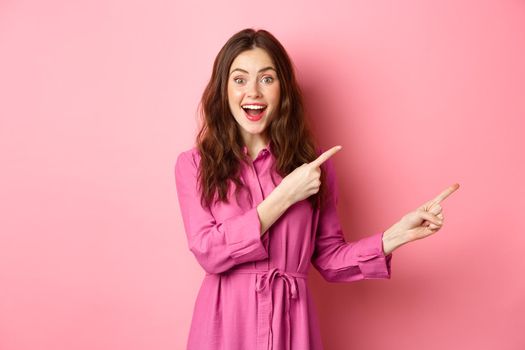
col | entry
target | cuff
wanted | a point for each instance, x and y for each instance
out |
(243, 237)
(371, 258)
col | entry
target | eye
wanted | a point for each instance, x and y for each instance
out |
(237, 80)
(268, 79)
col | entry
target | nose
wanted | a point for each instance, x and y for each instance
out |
(253, 89)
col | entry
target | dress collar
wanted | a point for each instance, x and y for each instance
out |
(267, 148)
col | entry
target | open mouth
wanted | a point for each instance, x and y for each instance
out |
(254, 112)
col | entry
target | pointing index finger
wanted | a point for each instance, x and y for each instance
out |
(447, 192)
(325, 155)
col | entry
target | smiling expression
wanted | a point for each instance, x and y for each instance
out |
(253, 82)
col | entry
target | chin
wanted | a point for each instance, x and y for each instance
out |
(258, 131)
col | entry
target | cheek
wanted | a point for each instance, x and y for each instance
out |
(233, 90)
(275, 92)
(276, 96)
(233, 98)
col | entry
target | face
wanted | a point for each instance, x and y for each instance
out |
(252, 83)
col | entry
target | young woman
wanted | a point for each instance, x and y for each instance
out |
(258, 200)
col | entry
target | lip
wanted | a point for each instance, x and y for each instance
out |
(257, 117)
(254, 104)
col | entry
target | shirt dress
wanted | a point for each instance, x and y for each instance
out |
(254, 294)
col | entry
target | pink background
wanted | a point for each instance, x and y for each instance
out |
(97, 98)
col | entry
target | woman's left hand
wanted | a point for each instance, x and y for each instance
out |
(420, 223)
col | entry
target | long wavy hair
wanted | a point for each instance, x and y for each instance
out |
(219, 140)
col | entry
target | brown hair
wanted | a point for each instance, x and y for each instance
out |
(219, 140)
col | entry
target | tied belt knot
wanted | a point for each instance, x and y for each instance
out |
(267, 278)
(263, 286)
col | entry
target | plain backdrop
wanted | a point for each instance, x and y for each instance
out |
(98, 98)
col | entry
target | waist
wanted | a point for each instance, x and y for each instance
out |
(251, 270)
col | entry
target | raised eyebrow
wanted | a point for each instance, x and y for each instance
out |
(260, 70)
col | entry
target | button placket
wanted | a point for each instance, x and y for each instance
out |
(259, 197)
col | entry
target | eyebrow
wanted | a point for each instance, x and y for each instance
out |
(260, 70)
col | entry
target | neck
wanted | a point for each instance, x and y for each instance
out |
(254, 148)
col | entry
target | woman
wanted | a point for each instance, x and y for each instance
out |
(258, 200)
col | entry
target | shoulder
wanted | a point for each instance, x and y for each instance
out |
(187, 160)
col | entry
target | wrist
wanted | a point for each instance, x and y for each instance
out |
(392, 238)
(282, 197)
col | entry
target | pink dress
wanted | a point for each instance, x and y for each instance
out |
(254, 294)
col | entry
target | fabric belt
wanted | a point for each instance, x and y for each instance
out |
(264, 282)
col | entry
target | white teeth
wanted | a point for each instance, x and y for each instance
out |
(253, 107)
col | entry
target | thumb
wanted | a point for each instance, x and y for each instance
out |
(429, 217)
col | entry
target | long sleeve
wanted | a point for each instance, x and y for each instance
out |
(341, 261)
(218, 246)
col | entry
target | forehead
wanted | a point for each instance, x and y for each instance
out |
(252, 60)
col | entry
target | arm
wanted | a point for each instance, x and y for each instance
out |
(341, 261)
(218, 246)
(270, 209)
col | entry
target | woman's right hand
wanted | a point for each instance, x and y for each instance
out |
(304, 181)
